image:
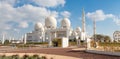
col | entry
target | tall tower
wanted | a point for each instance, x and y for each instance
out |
(83, 33)
(25, 38)
(3, 39)
(94, 29)
(83, 21)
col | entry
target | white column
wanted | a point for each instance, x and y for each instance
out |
(22, 39)
(77, 40)
(88, 43)
(50, 40)
(43, 36)
(55, 35)
(3, 39)
(83, 36)
(83, 33)
(67, 33)
(25, 38)
(94, 29)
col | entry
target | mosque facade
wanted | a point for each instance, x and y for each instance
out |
(50, 31)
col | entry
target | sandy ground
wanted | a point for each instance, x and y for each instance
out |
(49, 56)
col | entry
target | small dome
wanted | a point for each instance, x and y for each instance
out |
(74, 33)
(65, 23)
(39, 26)
(78, 29)
(50, 22)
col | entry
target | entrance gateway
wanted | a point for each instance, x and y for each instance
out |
(59, 38)
(60, 42)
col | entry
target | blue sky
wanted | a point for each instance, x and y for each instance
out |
(19, 16)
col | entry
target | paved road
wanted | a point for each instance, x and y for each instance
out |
(66, 52)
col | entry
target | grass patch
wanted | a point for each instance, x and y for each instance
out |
(72, 43)
(110, 44)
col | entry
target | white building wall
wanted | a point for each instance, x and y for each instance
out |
(65, 42)
(83, 36)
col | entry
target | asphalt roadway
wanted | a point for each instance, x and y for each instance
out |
(65, 52)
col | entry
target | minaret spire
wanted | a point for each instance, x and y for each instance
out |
(83, 20)
(94, 29)
(3, 39)
(83, 33)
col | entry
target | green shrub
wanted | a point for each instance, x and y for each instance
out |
(3, 56)
(43, 57)
(36, 56)
(15, 57)
(25, 57)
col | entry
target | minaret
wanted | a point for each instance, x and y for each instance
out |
(3, 39)
(83, 33)
(25, 38)
(83, 21)
(94, 29)
(22, 38)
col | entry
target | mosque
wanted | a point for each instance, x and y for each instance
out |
(50, 31)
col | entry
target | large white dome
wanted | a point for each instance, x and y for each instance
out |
(50, 22)
(39, 26)
(65, 23)
(78, 29)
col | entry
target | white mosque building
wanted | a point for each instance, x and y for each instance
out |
(50, 31)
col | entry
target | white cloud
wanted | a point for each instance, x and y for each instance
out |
(20, 18)
(116, 20)
(98, 15)
(4, 26)
(15, 29)
(8, 27)
(65, 14)
(12, 2)
(27, 13)
(23, 24)
(49, 3)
